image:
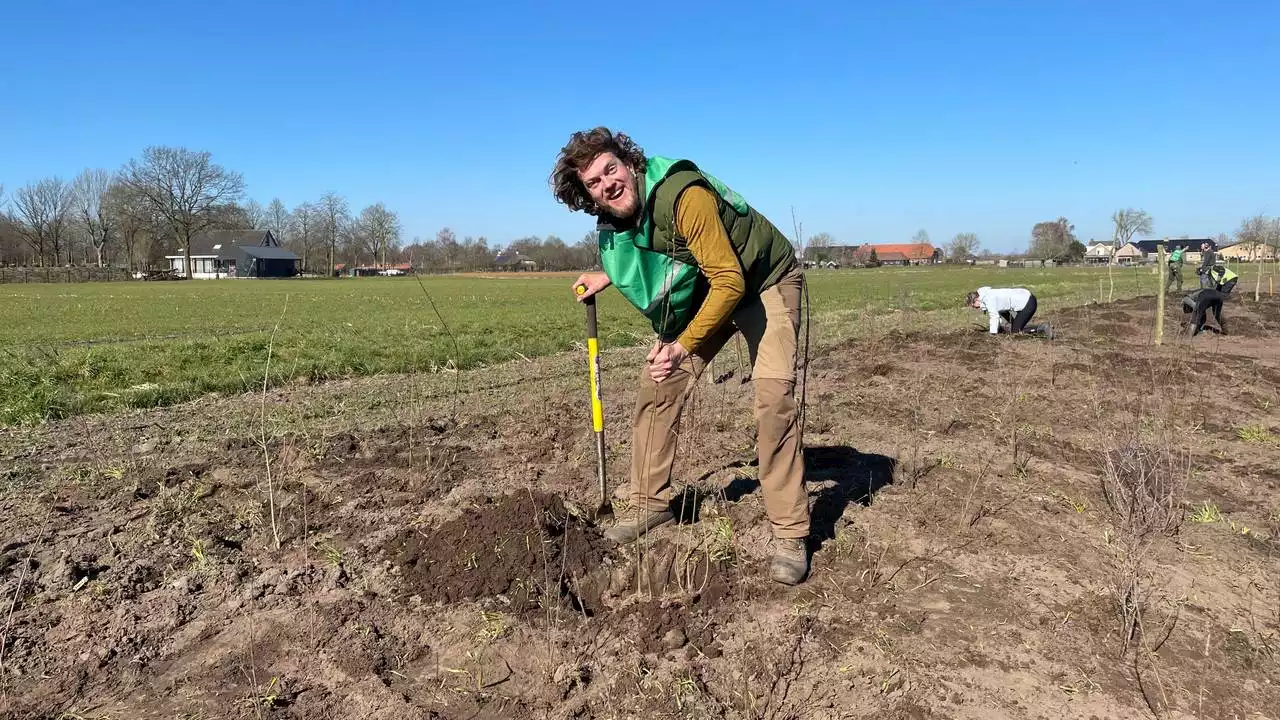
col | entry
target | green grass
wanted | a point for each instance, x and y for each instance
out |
(92, 347)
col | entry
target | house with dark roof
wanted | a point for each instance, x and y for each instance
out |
(236, 254)
(514, 262)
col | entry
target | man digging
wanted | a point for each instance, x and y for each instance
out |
(701, 264)
(1198, 304)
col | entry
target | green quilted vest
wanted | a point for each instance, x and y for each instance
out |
(652, 267)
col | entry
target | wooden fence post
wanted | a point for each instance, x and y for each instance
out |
(1160, 298)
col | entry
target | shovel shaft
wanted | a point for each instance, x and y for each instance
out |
(597, 405)
(593, 358)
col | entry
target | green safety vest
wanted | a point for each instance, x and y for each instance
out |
(1176, 257)
(1223, 274)
(649, 264)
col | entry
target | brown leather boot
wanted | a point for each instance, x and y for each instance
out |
(790, 561)
(635, 522)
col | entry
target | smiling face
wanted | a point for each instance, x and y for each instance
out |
(612, 185)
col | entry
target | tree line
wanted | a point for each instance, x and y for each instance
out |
(1056, 239)
(153, 205)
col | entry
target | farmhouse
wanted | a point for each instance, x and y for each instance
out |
(904, 253)
(236, 253)
(885, 254)
(514, 262)
(1099, 253)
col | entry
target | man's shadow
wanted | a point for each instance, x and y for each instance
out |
(853, 477)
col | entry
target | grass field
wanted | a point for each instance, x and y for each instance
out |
(70, 349)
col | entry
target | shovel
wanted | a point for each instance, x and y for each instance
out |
(597, 407)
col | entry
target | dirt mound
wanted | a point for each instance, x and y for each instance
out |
(523, 546)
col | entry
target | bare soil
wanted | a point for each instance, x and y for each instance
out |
(423, 547)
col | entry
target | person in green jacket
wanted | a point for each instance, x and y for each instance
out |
(1175, 269)
(701, 264)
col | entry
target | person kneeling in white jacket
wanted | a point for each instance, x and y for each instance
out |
(1013, 305)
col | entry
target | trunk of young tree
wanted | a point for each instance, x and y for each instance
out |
(1160, 298)
(1257, 289)
(1111, 277)
(93, 204)
(334, 213)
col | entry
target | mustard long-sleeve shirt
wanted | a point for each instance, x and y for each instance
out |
(698, 222)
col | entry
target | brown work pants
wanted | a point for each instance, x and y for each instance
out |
(770, 323)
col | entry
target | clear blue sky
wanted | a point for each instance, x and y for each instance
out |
(871, 122)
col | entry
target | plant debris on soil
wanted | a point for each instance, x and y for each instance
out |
(1087, 527)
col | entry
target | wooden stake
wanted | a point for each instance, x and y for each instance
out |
(1160, 298)
(1099, 291)
(1257, 288)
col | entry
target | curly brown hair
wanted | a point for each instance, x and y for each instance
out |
(582, 148)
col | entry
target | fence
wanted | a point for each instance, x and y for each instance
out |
(62, 274)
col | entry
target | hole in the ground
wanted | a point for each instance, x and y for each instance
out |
(530, 549)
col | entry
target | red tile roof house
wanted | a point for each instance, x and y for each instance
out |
(891, 258)
(912, 253)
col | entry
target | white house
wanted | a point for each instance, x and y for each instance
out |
(1099, 253)
(1130, 254)
(235, 253)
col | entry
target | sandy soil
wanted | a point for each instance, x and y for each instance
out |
(422, 547)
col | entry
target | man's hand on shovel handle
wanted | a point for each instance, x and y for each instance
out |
(589, 284)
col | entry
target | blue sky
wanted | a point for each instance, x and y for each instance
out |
(870, 121)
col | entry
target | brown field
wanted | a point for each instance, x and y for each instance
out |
(414, 547)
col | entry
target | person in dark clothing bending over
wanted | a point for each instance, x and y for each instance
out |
(1015, 306)
(1198, 304)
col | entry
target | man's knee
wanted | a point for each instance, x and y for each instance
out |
(775, 401)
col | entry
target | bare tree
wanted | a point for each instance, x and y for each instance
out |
(380, 230)
(255, 215)
(44, 210)
(302, 226)
(817, 247)
(1253, 233)
(89, 191)
(921, 237)
(276, 219)
(963, 246)
(132, 215)
(1129, 222)
(184, 188)
(448, 242)
(1256, 233)
(334, 217)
